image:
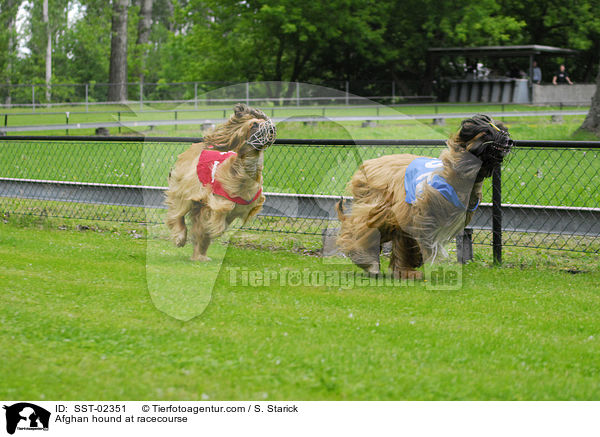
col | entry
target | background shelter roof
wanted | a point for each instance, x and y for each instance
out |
(502, 51)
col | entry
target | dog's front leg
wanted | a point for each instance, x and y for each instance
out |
(406, 257)
(367, 252)
(178, 208)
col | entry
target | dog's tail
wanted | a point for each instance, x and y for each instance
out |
(339, 208)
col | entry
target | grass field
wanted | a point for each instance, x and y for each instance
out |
(78, 323)
(77, 114)
(133, 113)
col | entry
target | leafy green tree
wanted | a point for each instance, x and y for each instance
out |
(87, 43)
(279, 40)
(574, 24)
(282, 40)
(46, 27)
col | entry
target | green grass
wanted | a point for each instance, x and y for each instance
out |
(113, 113)
(78, 113)
(78, 323)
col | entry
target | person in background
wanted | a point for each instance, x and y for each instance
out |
(561, 77)
(537, 73)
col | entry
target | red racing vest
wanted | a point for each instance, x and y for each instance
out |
(207, 169)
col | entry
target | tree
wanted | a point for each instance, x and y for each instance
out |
(48, 75)
(276, 40)
(574, 25)
(144, 28)
(87, 44)
(43, 33)
(279, 40)
(334, 41)
(8, 15)
(117, 78)
(592, 120)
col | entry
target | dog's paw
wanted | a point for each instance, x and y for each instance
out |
(373, 270)
(200, 258)
(180, 241)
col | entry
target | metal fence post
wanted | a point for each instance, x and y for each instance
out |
(347, 93)
(33, 98)
(86, 97)
(67, 114)
(247, 93)
(195, 95)
(175, 120)
(393, 91)
(464, 246)
(5, 120)
(297, 94)
(497, 214)
(141, 96)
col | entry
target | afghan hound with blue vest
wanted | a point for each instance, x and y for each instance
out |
(219, 179)
(419, 203)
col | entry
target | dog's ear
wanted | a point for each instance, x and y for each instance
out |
(240, 110)
(257, 113)
(476, 146)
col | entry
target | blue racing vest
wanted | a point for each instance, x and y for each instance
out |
(422, 171)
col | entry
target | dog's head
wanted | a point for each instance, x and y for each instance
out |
(487, 140)
(248, 130)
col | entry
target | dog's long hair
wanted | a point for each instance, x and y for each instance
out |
(240, 176)
(420, 230)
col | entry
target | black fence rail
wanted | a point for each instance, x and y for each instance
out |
(547, 196)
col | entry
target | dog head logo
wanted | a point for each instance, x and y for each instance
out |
(26, 416)
(248, 130)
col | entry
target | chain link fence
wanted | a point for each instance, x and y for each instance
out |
(550, 190)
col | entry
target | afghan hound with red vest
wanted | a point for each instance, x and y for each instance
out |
(419, 203)
(219, 179)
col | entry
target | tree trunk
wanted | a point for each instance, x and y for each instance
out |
(170, 13)
(117, 77)
(10, 25)
(592, 121)
(144, 27)
(46, 22)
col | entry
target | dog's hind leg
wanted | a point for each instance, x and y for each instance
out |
(201, 235)
(406, 257)
(175, 221)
